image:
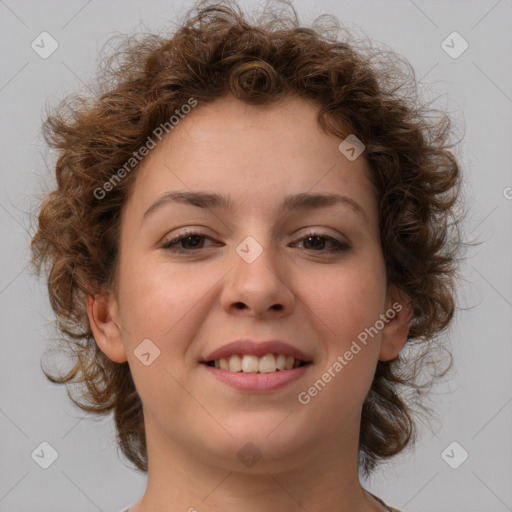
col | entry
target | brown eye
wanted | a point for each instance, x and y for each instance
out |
(317, 243)
(186, 242)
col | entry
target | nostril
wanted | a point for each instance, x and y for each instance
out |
(241, 305)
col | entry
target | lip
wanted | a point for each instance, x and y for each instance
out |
(256, 348)
(257, 382)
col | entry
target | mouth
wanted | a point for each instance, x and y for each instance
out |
(257, 366)
(249, 363)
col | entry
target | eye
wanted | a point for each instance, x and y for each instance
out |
(318, 241)
(188, 241)
(191, 241)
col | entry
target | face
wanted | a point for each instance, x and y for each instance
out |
(266, 262)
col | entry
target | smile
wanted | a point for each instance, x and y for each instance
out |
(248, 363)
(253, 379)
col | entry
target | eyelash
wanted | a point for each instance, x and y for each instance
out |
(340, 246)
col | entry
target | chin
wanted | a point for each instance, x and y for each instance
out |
(262, 440)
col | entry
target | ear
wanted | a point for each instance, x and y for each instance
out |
(103, 314)
(398, 314)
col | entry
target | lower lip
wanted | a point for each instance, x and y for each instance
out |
(258, 381)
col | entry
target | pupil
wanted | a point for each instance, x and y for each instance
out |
(196, 239)
(318, 241)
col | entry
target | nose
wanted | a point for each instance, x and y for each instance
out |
(260, 287)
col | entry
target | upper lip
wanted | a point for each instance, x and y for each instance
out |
(256, 348)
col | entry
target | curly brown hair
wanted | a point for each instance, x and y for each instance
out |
(217, 50)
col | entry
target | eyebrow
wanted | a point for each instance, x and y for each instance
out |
(295, 202)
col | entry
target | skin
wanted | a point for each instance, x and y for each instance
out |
(190, 304)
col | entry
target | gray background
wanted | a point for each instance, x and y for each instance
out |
(474, 404)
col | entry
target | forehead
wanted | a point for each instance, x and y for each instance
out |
(289, 125)
(253, 153)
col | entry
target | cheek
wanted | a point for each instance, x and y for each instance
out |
(351, 303)
(163, 306)
(167, 304)
(348, 300)
(353, 297)
(155, 298)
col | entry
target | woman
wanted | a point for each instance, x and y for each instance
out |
(251, 223)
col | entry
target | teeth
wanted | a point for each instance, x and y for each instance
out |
(250, 364)
(269, 363)
(281, 362)
(235, 363)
